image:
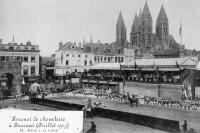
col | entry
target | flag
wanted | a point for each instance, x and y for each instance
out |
(180, 30)
(135, 65)
(61, 57)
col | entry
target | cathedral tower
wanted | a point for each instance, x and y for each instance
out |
(120, 31)
(162, 29)
(146, 33)
(135, 34)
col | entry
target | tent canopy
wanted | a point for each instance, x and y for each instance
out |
(106, 66)
(163, 62)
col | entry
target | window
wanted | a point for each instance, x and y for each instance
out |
(67, 62)
(122, 59)
(32, 70)
(32, 59)
(25, 72)
(95, 58)
(79, 55)
(85, 63)
(108, 59)
(7, 58)
(119, 51)
(25, 48)
(32, 48)
(25, 58)
(2, 58)
(10, 48)
(90, 62)
(116, 59)
(105, 58)
(85, 56)
(18, 58)
(67, 55)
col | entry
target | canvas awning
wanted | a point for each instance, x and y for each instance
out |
(106, 66)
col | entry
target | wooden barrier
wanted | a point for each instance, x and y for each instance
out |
(153, 122)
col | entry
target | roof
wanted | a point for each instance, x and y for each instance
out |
(163, 62)
(146, 11)
(162, 14)
(70, 47)
(120, 20)
(106, 66)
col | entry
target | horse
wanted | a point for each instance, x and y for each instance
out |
(124, 98)
(133, 100)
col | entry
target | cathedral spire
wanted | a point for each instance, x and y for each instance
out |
(135, 23)
(120, 30)
(120, 20)
(146, 11)
(135, 20)
(162, 14)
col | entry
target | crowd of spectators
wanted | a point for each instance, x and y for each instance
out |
(169, 102)
(104, 75)
(164, 77)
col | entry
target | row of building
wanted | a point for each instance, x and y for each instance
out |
(73, 57)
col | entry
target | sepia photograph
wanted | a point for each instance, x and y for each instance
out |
(99, 66)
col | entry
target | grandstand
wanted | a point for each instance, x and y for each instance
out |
(167, 77)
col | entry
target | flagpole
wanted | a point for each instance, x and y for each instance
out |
(180, 31)
(62, 66)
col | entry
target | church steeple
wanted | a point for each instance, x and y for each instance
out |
(162, 16)
(146, 26)
(120, 31)
(162, 28)
(120, 20)
(146, 11)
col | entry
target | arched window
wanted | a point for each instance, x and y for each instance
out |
(25, 48)
(10, 48)
(32, 48)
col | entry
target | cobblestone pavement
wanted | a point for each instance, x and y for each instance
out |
(104, 125)
(192, 117)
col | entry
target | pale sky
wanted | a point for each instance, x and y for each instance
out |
(47, 22)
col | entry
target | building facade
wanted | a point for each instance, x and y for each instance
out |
(72, 58)
(27, 54)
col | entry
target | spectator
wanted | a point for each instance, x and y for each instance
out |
(93, 128)
(185, 126)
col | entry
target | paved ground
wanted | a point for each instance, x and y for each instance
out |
(103, 125)
(193, 117)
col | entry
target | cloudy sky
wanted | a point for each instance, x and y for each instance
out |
(47, 22)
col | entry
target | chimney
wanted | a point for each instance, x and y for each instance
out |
(60, 44)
